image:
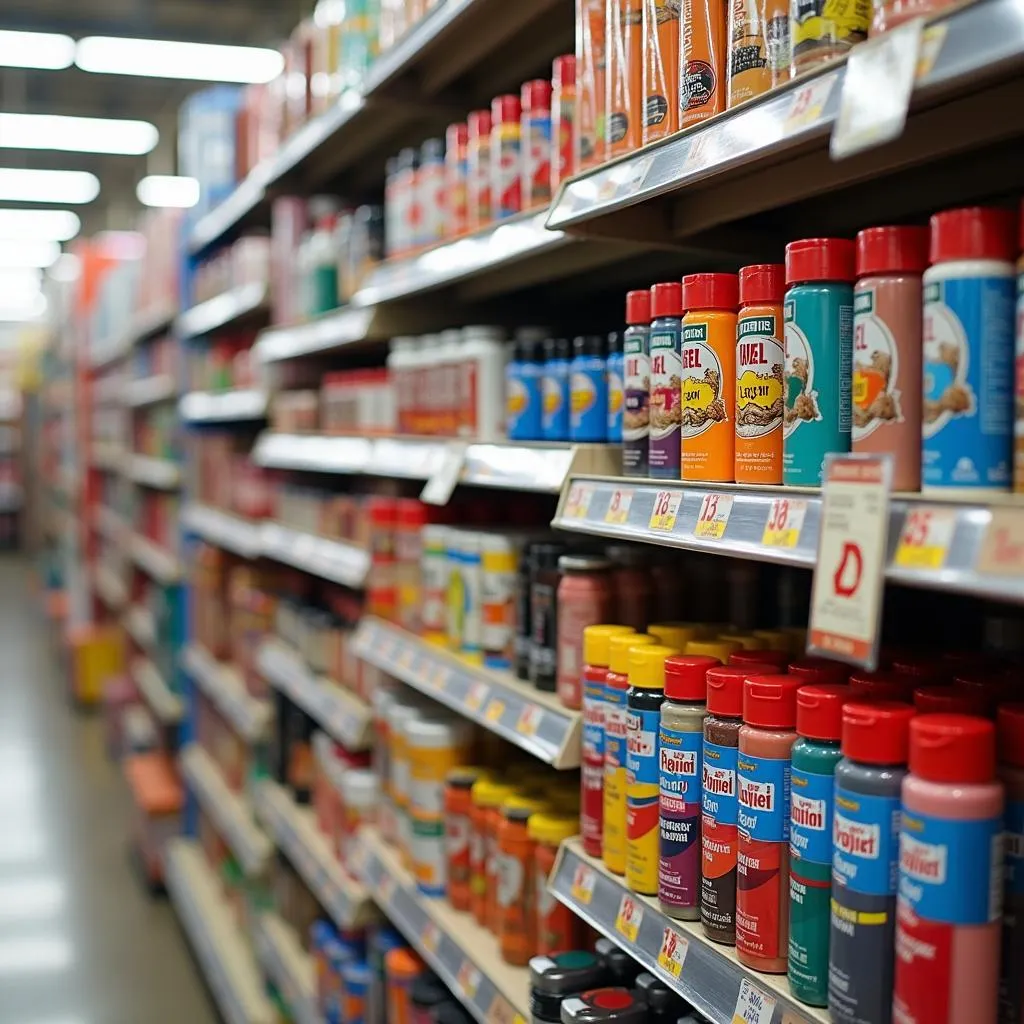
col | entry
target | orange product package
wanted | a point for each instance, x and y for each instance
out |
(487, 796)
(458, 809)
(758, 58)
(591, 58)
(702, 57)
(558, 928)
(625, 76)
(661, 69)
(516, 905)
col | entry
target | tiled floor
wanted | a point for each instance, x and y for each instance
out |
(81, 942)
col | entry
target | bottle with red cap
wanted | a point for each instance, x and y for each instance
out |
(506, 156)
(708, 377)
(887, 348)
(666, 351)
(535, 128)
(563, 117)
(865, 861)
(1010, 757)
(819, 356)
(951, 861)
(456, 173)
(478, 152)
(760, 358)
(637, 382)
(819, 726)
(967, 434)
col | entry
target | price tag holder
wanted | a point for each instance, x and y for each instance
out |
(618, 507)
(438, 489)
(753, 1006)
(785, 521)
(1002, 548)
(876, 90)
(849, 574)
(807, 104)
(666, 508)
(583, 881)
(627, 921)
(713, 517)
(672, 954)
(925, 538)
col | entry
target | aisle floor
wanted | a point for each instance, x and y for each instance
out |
(81, 941)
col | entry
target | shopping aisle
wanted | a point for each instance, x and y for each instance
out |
(81, 942)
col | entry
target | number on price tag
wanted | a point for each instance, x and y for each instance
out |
(785, 521)
(468, 979)
(807, 104)
(578, 503)
(618, 507)
(476, 695)
(431, 937)
(495, 709)
(627, 921)
(529, 720)
(753, 1006)
(713, 517)
(925, 538)
(673, 952)
(583, 881)
(666, 508)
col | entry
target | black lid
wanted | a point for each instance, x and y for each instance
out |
(546, 556)
(428, 990)
(610, 1002)
(663, 1003)
(621, 967)
(556, 348)
(450, 1013)
(589, 345)
(565, 973)
(529, 350)
(614, 341)
(432, 150)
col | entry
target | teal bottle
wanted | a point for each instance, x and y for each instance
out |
(819, 723)
(818, 393)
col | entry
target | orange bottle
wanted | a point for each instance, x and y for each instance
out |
(486, 797)
(708, 358)
(758, 58)
(760, 366)
(625, 78)
(458, 808)
(515, 891)
(557, 926)
(661, 69)
(590, 83)
(702, 49)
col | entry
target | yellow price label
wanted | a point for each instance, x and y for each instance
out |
(666, 508)
(495, 709)
(431, 937)
(583, 881)
(925, 538)
(475, 696)
(785, 521)
(578, 503)
(713, 517)
(627, 921)
(672, 954)
(618, 507)
(529, 720)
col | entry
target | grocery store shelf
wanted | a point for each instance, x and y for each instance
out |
(108, 457)
(341, 713)
(222, 683)
(110, 524)
(159, 697)
(704, 973)
(229, 812)
(332, 560)
(142, 327)
(288, 966)
(295, 832)
(314, 453)
(228, 309)
(535, 721)
(109, 389)
(242, 536)
(223, 406)
(161, 564)
(956, 561)
(464, 955)
(240, 208)
(141, 627)
(331, 331)
(109, 587)
(209, 922)
(160, 474)
(161, 387)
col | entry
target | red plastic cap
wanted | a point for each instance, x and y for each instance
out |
(478, 124)
(877, 732)
(953, 748)
(609, 998)
(820, 259)
(563, 71)
(686, 676)
(760, 657)
(725, 688)
(819, 670)
(1010, 735)
(505, 109)
(882, 686)
(382, 511)
(666, 299)
(638, 306)
(762, 283)
(457, 135)
(973, 233)
(922, 668)
(819, 711)
(948, 700)
(889, 250)
(412, 513)
(770, 701)
(535, 95)
(711, 291)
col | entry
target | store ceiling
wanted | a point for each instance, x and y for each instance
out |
(244, 22)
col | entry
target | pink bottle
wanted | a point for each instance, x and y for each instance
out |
(950, 892)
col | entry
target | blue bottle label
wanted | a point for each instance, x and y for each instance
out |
(523, 401)
(616, 396)
(865, 842)
(679, 817)
(718, 783)
(951, 870)
(555, 400)
(763, 785)
(967, 429)
(1014, 838)
(593, 718)
(642, 746)
(810, 816)
(588, 400)
(614, 728)
(665, 404)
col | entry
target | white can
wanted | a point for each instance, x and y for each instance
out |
(434, 579)
(398, 718)
(499, 562)
(464, 623)
(435, 745)
(484, 355)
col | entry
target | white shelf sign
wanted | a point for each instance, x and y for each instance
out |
(753, 1006)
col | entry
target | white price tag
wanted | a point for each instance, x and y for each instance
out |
(1002, 548)
(925, 538)
(577, 504)
(808, 102)
(618, 507)
(627, 921)
(713, 516)
(753, 1006)
(666, 508)
(438, 489)
(849, 575)
(583, 881)
(876, 90)
(672, 954)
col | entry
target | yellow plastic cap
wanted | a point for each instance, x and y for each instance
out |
(489, 794)
(774, 639)
(595, 642)
(552, 829)
(647, 665)
(677, 634)
(619, 648)
(720, 649)
(747, 641)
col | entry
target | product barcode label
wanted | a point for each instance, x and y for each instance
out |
(431, 937)
(578, 503)
(468, 979)
(808, 103)
(495, 709)
(476, 695)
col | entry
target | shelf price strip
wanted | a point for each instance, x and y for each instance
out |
(785, 521)
(713, 517)
(666, 508)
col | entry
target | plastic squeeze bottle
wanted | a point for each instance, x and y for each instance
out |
(708, 377)
(666, 345)
(865, 857)
(951, 854)
(637, 382)
(763, 770)
(1010, 737)
(819, 724)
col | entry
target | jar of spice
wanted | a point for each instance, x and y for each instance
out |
(584, 599)
(458, 808)
(557, 925)
(514, 899)
(487, 796)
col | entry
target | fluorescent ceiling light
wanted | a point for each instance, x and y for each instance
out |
(39, 253)
(77, 134)
(36, 50)
(168, 190)
(24, 186)
(50, 225)
(162, 58)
